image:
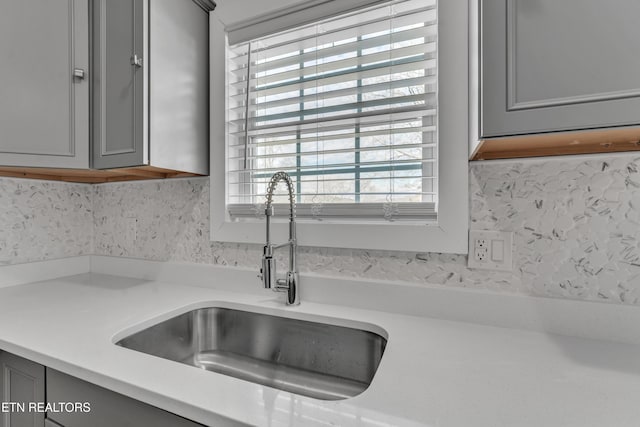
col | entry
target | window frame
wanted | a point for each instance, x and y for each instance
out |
(449, 235)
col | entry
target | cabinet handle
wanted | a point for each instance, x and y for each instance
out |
(136, 61)
(79, 73)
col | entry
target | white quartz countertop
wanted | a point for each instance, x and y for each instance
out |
(433, 373)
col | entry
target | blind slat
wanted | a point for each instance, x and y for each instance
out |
(285, 168)
(323, 172)
(373, 211)
(239, 61)
(398, 37)
(397, 176)
(336, 151)
(368, 72)
(376, 113)
(256, 122)
(395, 118)
(323, 68)
(346, 194)
(342, 124)
(332, 137)
(365, 89)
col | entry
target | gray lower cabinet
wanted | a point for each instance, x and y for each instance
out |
(108, 409)
(44, 83)
(549, 65)
(151, 84)
(21, 382)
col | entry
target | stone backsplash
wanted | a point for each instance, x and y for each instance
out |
(576, 224)
(44, 220)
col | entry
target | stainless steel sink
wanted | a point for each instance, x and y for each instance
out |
(318, 360)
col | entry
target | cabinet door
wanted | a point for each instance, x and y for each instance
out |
(179, 107)
(108, 409)
(551, 65)
(21, 381)
(44, 109)
(119, 84)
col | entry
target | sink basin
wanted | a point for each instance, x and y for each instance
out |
(313, 359)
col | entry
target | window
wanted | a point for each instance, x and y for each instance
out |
(352, 108)
(347, 107)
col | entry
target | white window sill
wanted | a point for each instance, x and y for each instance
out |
(396, 236)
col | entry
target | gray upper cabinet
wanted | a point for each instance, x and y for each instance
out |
(549, 65)
(118, 93)
(104, 84)
(151, 62)
(44, 87)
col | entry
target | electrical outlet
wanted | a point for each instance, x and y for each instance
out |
(481, 252)
(491, 250)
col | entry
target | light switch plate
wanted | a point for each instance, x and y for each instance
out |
(491, 250)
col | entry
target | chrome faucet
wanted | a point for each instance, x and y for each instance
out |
(268, 271)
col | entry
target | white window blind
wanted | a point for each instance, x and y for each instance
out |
(347, 107)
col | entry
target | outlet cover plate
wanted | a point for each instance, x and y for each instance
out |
(491, 250)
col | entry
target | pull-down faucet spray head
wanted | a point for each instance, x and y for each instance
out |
(268, 271)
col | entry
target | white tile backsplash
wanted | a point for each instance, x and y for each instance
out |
(576, 225)
(44, 220)
(173, 225)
